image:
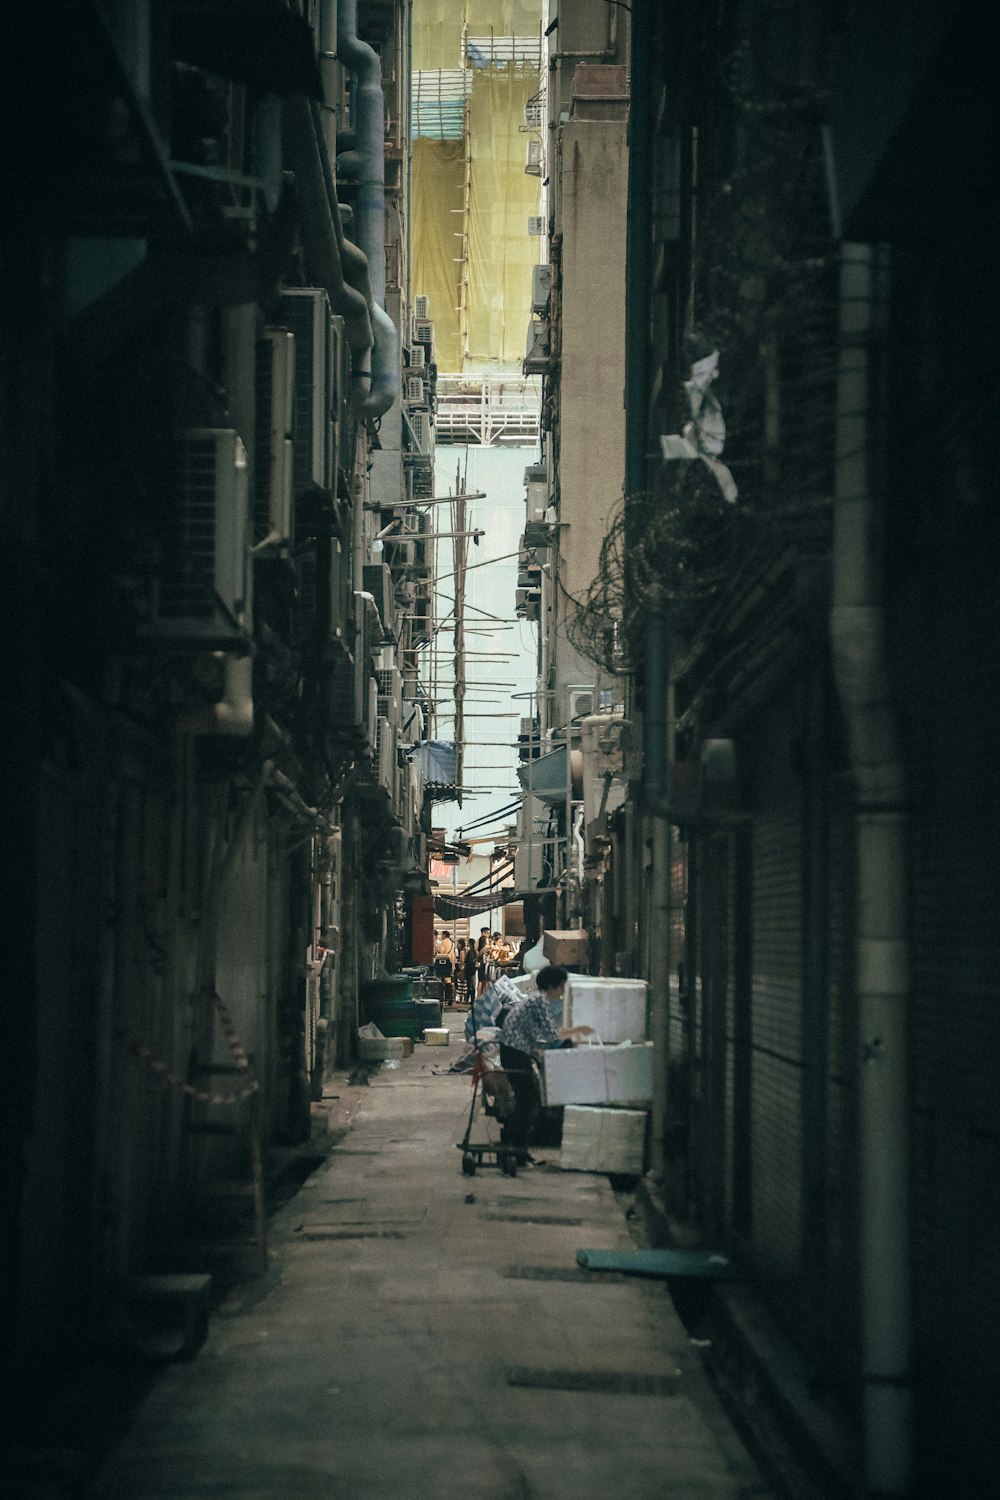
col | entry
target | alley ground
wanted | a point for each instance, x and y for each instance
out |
(414, 1331)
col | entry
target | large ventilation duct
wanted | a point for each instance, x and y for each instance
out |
(366, 164)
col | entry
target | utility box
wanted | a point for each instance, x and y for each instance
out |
(565, 947)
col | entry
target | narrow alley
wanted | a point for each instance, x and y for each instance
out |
(424, 1333)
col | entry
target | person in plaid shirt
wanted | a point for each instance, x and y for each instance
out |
(527, 1029)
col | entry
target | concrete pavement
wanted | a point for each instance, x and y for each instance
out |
(408, 1341)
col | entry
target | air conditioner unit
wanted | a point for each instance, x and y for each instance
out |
(420, 424)
(390, 691)
(306, 312)
(386, 754)
(536, 225)
(536, 357)
(533, 159)
(340, 588)
(367, 640)
(423, 332)
(420, 472)
(378, 583)
(402, 554)
(581, 702)
(273, 458)
(527, 604)
(416, 391)
(417, 357)
(541, 288)
(422, 307)
(537, 501)
(202, 591)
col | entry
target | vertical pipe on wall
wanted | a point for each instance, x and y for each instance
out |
(638, 284)
(883, 958)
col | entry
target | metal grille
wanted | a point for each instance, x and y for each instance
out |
(186, 589)
(776, 1080)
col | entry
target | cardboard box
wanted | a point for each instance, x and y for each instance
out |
(603, 1140)
(437, 1036)
(615, 1008)
(599, 1075)
(565, 946)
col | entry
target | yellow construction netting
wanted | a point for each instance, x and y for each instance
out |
(437, 26)
(502, 196)
(486, 329)
(439, 188)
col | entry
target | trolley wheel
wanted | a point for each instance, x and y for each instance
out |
(469, 1164)
(509, 1165)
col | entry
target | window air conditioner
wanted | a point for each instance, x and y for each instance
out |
(416, 391)
(536, 225)
(422, 307)
(306, 312)
(417, 357)
(423, 332)
(533, 159)
(202, 592)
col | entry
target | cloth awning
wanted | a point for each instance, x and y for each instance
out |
(471, 906)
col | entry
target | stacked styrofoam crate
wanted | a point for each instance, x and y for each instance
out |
(615, 1008)
(603, 1140)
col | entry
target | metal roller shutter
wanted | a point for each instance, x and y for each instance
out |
(776, 1078)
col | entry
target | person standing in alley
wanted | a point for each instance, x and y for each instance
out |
(482, 960)
(460, 971)
(471, 965)
(527, 1030)
(444, 963)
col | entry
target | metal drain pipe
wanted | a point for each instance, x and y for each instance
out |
(857, 627)
(366, 164)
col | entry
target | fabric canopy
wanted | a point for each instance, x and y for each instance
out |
(471, 906)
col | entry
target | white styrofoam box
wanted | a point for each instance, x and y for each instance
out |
(603, 1140)
(599, 1075)
(574, 1075)
(524, 982)
(437, 1036)
(629, 1073)
(378, 1049)
(615, 1008)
